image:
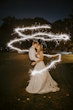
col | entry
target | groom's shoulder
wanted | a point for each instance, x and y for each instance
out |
(31, 48)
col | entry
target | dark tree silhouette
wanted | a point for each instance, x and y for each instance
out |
(59, 26)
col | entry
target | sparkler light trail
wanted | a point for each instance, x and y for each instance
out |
(44, 36)
(51, 65)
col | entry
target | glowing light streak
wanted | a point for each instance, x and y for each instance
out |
(51, 65)
(50, 37)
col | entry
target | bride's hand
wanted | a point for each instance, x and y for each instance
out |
(33, 63)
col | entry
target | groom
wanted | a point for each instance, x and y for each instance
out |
(32, 52)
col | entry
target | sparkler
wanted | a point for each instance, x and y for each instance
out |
(46, 36)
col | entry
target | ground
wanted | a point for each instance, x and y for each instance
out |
(14, 78)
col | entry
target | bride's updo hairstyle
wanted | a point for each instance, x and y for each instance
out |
(41, 47)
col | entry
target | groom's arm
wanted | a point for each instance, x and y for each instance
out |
(32, 55)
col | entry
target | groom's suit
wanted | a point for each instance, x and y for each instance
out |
(32, 53)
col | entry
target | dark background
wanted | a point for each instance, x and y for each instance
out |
(50, 10)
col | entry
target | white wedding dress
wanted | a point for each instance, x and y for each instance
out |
(41, 83)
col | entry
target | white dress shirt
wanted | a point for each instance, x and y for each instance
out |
(32, 53)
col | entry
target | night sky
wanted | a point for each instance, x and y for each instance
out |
(51, 10)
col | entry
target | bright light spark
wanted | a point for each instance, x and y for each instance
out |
(50, 37)
(51, 65)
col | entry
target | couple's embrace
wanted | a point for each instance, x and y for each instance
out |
(40, 83)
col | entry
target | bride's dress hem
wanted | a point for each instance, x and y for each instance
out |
(57, 90)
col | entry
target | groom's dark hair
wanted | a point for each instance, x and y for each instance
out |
(35, 42)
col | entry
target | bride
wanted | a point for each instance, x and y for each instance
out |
(41, 83)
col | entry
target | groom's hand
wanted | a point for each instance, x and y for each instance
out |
(33, 63)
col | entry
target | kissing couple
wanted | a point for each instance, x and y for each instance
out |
(40, 83)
